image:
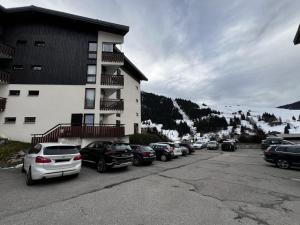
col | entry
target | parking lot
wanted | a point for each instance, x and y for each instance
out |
(209, 187)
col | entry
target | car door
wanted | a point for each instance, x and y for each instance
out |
(95, 151)
(295, 154)
(29, 158)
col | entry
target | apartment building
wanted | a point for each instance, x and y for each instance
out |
(64, 79)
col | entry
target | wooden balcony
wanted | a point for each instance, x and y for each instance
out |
(112, 80)
(112, 104)
(113, 57)
(6, 52)
(4, 77)
(79, 131)
(2, 104)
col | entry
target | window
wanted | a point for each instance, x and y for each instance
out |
(33, 93)
(36, 67)
(118, 123)
(89, 119)
(10, 119)
(29, 120)
(137, 114)
(92, 50)
(18, 67)
(118, 115)
(89, 102)
(36, 149)
(136, 100)
(118, 94)
(137, 88)
(39, 43)
(21, 42)
(91, 74)
(118, 72)
(136, 128)
(14, 92)
(107, 47)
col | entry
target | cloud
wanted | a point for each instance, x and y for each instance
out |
(240, 52)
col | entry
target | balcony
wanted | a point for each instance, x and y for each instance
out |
(4, 77)
(112, 80)
(2, 104)
(79, 131)
(113, 57)
(112, 104)
(6, 52)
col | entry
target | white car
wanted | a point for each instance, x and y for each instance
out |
(48, 160)
(199, 145)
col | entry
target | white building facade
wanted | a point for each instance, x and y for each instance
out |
(101, 102)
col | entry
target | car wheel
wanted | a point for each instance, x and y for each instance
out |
(136, 162)
(101, 166)
(283, 164)
(163, 158)
(29, 180)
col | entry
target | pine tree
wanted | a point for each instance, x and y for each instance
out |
(286, 129)
(294, 118)
(243, 117)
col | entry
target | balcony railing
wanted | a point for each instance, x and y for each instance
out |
(79, 131)
(4, 77)
(6, 51)
(113, 80)
(2, 104)
(113, 57)
(112, 104)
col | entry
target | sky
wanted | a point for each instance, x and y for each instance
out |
(229, 52)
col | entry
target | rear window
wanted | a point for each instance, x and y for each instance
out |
(146, 148)
(122, 147)
(60, 150)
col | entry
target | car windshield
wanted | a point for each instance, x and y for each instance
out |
(60, 150)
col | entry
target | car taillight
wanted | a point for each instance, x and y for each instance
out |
(77, 157)
(41, 159)
(268, 151)
(146, 154)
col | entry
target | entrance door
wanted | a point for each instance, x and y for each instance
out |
(76, 119)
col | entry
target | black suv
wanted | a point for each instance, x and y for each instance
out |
(107, 155)
(163, 152)
(284, 156)
(142, 155)
(228, 146)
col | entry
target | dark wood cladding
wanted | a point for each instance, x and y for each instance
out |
(116, 80)
(6, 51)
(79, 131)
(63, 58)
(4, 77)
(113, 57)
(112, 104)
(2, 104)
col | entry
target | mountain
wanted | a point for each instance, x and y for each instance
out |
(292, 106)
(180, 118)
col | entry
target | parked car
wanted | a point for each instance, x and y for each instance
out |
(283, 156)
(107, 155)
(164, 152)
(199, 145)
(184, 150)
(274, 141)
(188, 146)
(228, 146)
(212, 145)
(175, 147)
(48, 160)
(142, 154)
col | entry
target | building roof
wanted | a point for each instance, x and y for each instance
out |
(133, 70)
(297, 36)
(79, 20)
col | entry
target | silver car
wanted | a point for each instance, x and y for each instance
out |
(49, 160)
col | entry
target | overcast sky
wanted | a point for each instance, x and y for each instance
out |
(212, 51)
